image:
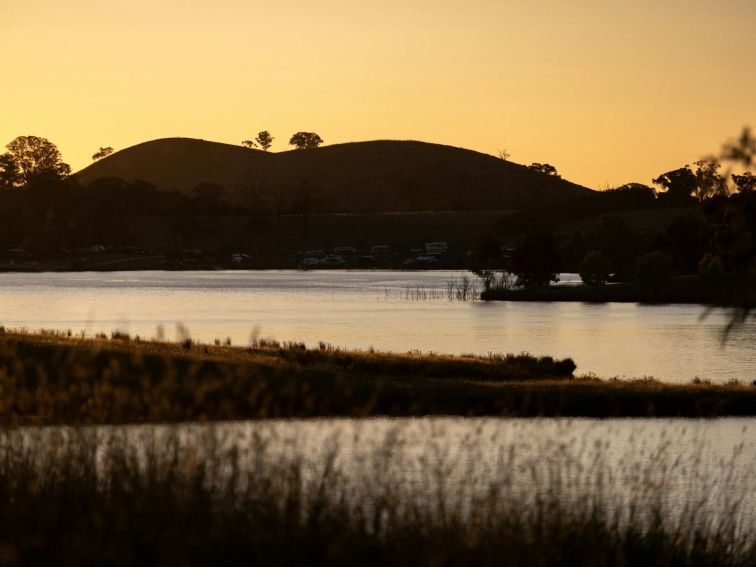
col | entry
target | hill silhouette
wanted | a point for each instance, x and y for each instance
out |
(359, 177)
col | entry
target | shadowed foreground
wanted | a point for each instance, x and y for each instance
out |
(52, 379)
(63, 501)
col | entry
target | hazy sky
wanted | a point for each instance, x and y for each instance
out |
(607, 91)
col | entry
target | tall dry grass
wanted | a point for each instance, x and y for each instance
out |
(57, 379)
(149, 496)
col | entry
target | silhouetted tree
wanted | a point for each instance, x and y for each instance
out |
(536, 261)
(745, 183)
(9, 176)
(742, 150)
(711, 272)
(101, 153)
(487, 277)
(265, 140)
(30, 160)
(631, 196)
(573, 249)
(633, 187)
(249, 144)
(594, 269)
(619, 244)
(653, 271)
(503, 154)
(739, 215)
(305, 140)
(545, 168)
(719, 214)
(489, 249)
(685, 240)
(708, 180)
(679, 184)
(210, 193)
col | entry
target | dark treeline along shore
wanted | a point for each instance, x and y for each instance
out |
(51, 378)
(188, 204)
(704, 252)
(192, 204)
(177, 203)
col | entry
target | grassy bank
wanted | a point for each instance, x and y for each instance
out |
(681, 289)
(102, 501)
(53, 379)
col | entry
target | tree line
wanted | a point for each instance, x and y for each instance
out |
(714, 234)
(300, 140)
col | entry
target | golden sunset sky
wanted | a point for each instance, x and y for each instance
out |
(607, 91)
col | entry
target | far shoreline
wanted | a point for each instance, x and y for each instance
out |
(688, 289)
(681, 290)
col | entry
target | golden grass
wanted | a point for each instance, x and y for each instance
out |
(52, 379)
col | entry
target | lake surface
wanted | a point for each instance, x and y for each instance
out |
(386, 310)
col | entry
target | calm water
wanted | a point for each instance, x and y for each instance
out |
(364, 309)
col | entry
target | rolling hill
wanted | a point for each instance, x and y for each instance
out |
(360, 177)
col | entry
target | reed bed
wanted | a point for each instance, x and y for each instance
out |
(211, 495)
(456, 289)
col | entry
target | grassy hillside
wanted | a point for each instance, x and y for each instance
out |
(362, 177)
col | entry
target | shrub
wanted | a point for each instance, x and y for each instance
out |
(711, 270)
(594, 269)
(487, 277)
(536, 261)
(653, 271)
(491, 281)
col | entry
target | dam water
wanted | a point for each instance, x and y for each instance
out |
(385, 310)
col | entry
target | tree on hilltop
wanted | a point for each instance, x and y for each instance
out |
(680, 184)
(545, 168)
(30, 160)
(305, 140)
(265, 140)
(709, 182)
(249, 144)
(101, 153)
(745, 183)
(8, 171)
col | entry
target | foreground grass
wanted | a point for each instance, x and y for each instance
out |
(51, 379)
(76, 498)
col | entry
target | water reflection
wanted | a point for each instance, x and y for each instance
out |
(362, 309)
(685, 469)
